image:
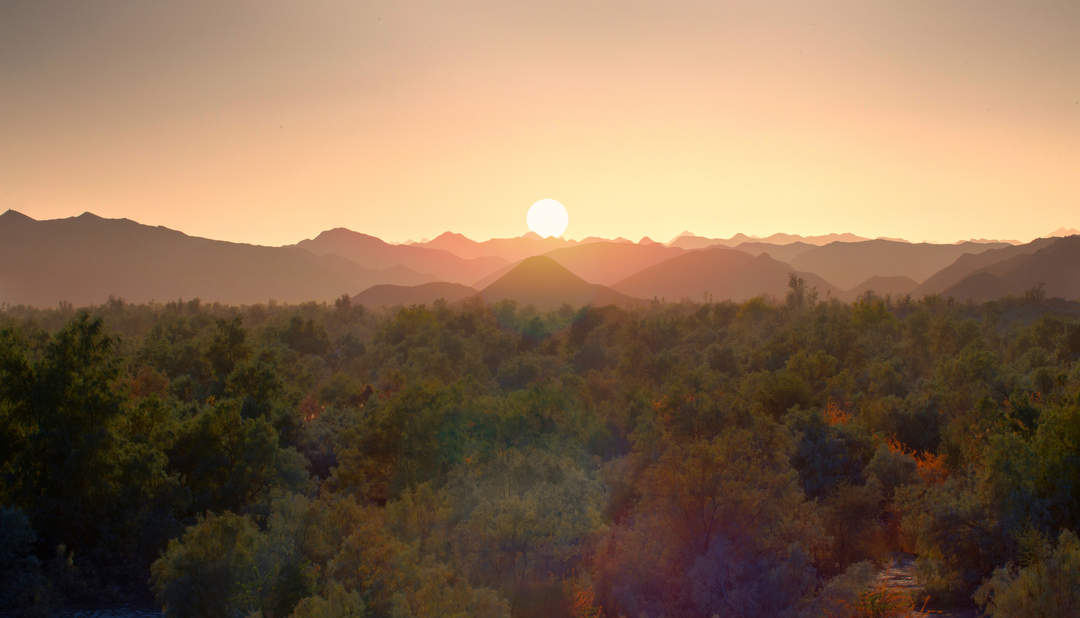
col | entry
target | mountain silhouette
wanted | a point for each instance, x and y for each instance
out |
(609, 262)
(970, 263)
(372, 252)
(1055, 268)
(783, 253)
(388, 295)
(544, 283)
(719, 272)
(86, 259)
(687, 240)
(847, 264)
(508, 249)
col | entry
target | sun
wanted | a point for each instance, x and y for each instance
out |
(547, 218)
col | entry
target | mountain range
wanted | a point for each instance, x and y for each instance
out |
(1053, 269)
(687, 240)
(717, 273)
(436, 264)
(508, 249)
(87, 259)
(847, 264)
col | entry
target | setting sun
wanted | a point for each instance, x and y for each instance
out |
(547, 218)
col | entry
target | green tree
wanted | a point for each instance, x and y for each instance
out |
(1047, 585)
(211, 571)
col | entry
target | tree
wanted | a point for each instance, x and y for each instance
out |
(1047, 585)
(336, 602)
(63, 407)
(524, 516)
(211, 571)
(716, 518)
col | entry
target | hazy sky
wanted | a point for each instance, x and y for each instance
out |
(270, 121)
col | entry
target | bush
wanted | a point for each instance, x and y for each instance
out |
(1049, 585)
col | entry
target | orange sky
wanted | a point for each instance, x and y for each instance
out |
(270, 121)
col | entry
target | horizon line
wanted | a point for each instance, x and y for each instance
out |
(750, 237)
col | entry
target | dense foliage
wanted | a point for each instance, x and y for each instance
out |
(725, 459)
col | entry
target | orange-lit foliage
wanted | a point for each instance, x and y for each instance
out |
(835, 415)
(930, 466)
(310, 408)
(877, 602)
(584, 604)
(883, 602)
(148, 382)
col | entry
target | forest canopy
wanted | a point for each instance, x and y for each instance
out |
(680, 459)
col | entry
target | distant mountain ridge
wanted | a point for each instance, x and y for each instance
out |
(784, 253)
(507, 249)
(847, 264)
(687, 240)
(372, 252)
(607, 263)
(718, 273)
(1052, 270)
(86, 259)
(968, 264)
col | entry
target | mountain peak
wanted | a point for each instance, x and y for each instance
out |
(12, 215)
(346, 233)
(543, 282)
(448, 235)
(1061, 231)
(541, 264)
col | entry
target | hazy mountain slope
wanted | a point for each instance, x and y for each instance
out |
(783, 253)
(970, 263)
(86, 259)
(689, 241)
(508, 249)
(493, 277)
(686, 240)
(424, 294)
(882, 286)
(543, 282)
(371, 252)
(1055, 266)
(821, 239)
(725, 274)
(608, 262)
(847, 264)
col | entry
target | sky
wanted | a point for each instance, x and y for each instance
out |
(267, 122)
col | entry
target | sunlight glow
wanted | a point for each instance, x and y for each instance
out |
(547, 218)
